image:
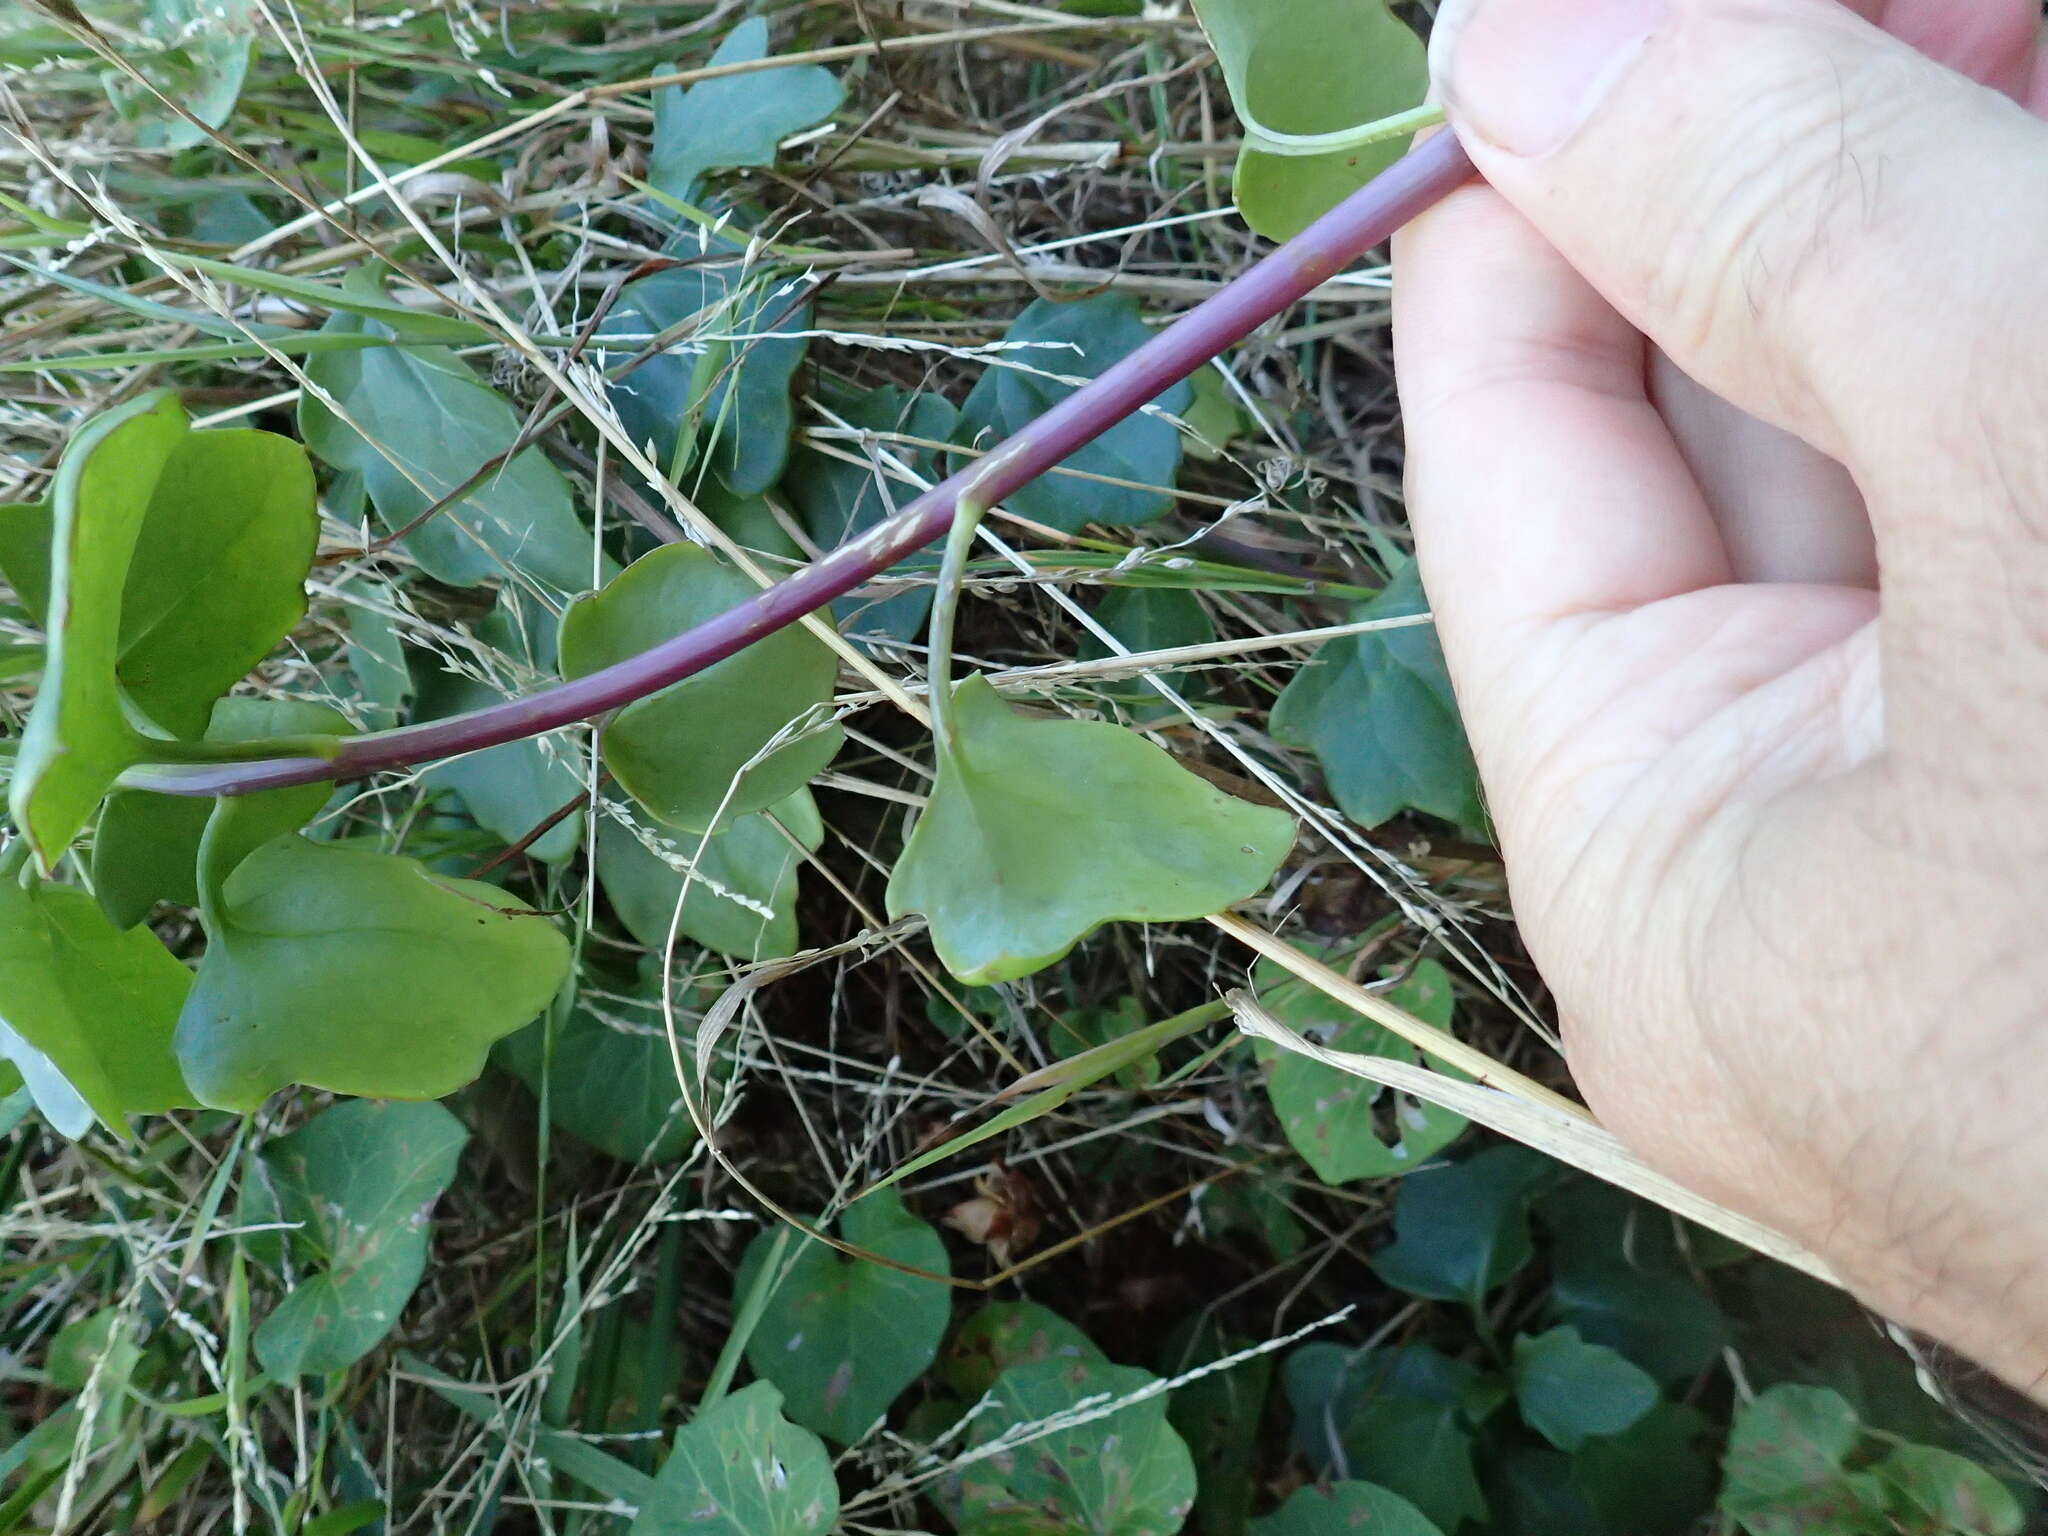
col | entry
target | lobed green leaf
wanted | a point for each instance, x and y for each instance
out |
(357, 972)
(1344, 1127)
(432, 425)
(88, 1010)
(1082, 340)
(1040, 831)
(1300, 69)
(1378, 712)
(357, 1180)
(738, 120)
(843, 1337)
(741, 1469)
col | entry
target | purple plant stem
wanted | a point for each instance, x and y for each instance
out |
(1365, 219)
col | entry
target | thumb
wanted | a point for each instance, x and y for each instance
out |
(1812, 219)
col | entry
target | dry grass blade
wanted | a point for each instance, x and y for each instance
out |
(1446, 1048)
(1572, 1138)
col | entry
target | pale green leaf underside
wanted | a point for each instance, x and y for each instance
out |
(170, 563)
(78, 738)
(219, 572)
(88, 1010)
(361, 973)
(1040, 831)
(1315, 83)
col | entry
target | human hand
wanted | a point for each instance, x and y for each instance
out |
(1778, 840)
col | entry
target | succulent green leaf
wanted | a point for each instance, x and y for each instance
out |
(424, 409)
(839, 501)
(739, 120)
(359, 1179)
(741, 1469)
(377, 664)
(756, 523)
(78, 739)
(1079, 340)
(1529, 1490)
(1040, 831)
(1378, 712)
(1151, 619)
(1400, 1418)
(843, 1337)
(1344, 1127)
(1216, 418)
(688, 752)
(1078, 1035)
(1570, 1391)
(214, 578)
(721, 383)
(741, 900)
(1462, 1229)
(101, 1344)
(217, 575)
(1126, 1473)
(1007, 1333)
(146, 847)
(86, 1011)
(357, 972)
(200, 60)
(1301, 69)
(1344, 1508)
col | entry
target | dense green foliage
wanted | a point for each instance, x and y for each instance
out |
(745, 1113)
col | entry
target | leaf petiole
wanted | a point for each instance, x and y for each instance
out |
(1301, 145)
(968, 511)
(168, 750)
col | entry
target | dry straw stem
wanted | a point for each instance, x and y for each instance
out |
(1445, 1047)
(1572, 1138)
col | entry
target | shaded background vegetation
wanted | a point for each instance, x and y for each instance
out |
(852, 241)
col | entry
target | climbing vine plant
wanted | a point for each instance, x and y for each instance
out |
(547, 746)
(167, 561)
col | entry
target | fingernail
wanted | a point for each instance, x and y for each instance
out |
(1526, 75)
